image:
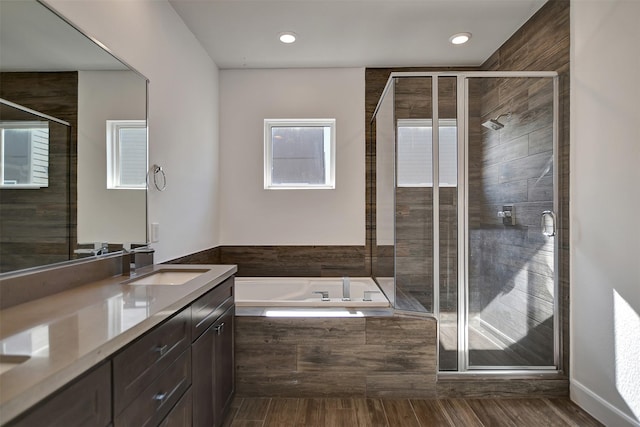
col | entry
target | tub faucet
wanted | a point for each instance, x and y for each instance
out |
(346, 289)
(324, 295)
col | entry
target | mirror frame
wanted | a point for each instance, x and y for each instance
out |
(74, 215)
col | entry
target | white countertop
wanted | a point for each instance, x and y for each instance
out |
(67, 333)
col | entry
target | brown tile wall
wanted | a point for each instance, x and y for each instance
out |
(39, 226)
(383, 357)
(511, 267)
(389, 357)
(275, 261)
(543, 44)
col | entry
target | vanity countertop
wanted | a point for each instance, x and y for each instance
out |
(65, 334)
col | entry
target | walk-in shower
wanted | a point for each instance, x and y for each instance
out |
(465, 195)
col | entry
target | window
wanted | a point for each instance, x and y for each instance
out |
(299, 153)
(24, 154)
(126, 154)
(415, 148)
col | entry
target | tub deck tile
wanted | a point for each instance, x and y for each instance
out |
(400, 330)
(341, 358)
(314, 330)
(260, 358)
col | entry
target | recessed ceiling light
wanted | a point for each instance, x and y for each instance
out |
(287, 37)
(460, 38)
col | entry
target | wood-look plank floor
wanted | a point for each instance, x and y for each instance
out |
(357, 412)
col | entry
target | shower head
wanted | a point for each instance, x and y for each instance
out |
(494, 124)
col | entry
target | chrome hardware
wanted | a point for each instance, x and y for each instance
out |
(324, 295)
(160, 397)
(219, 328)
(346, 289)
(162, 349)
(508, 215)
(367, 295)
(548, 223)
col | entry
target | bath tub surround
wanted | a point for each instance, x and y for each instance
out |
(320, 292)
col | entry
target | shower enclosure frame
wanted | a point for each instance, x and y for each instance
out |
(462, 92)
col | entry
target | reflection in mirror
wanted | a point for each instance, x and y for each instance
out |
(57, 71)
(33, 216)
(24, 154)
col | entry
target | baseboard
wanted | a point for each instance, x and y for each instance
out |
(599, 408)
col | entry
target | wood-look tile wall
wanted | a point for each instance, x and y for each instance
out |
(543, 44)
(511, 267)
(303, 261)
(389, 357)
(414, 247)
(383, 357)
(39, 226)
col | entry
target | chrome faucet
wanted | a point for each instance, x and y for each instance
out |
(346, 289)
(128, 263)
(324, 295)
(136, 258)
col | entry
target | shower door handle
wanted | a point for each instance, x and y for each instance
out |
(548, 223)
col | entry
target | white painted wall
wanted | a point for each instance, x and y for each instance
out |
(605, 201)
(183, 112)
(113, 216)
(252, 215)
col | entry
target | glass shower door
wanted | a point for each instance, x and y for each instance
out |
(511, 252)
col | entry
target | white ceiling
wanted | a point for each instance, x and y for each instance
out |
(352, 33)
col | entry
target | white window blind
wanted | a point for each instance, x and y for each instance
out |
(126, 154)
(299, 154)
(415, 153)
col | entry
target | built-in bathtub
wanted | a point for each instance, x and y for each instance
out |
(307, 292)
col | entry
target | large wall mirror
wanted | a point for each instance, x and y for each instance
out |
(73, 133)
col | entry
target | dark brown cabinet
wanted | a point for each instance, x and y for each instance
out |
(212, 355)
(213, 375)
(84, 402)
(181, 414)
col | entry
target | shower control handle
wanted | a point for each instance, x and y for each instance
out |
(508, 215)
(548, 223)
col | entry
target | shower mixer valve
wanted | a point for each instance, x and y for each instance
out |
(508, 215)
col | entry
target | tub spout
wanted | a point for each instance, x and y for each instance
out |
(324, 295)
(346, 289)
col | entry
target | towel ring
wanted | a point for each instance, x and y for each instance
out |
(158, 171)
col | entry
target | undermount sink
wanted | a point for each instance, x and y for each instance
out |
(8, 362)
(167, 277)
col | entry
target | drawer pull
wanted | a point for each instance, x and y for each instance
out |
(162, 349)
(160, 397)
(219, 328)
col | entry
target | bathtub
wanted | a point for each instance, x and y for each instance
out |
(299, 292)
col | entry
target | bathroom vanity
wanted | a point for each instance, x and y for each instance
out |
(156, 349)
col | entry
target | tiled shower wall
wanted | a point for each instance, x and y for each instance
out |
(543, 44)
(511, 267)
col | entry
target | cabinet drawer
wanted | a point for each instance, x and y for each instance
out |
(142, 361)
(206, 309)
(155, 401)
(181, 414)
(86, 402)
